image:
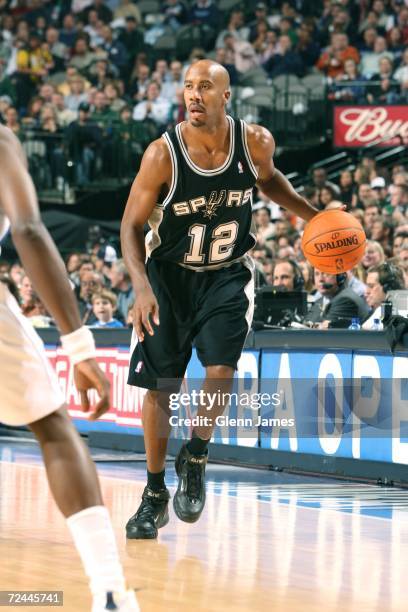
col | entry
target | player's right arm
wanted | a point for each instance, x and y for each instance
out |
(153, 178)
(44, 266)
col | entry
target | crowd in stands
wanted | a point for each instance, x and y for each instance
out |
(89, 71)
(378, 198)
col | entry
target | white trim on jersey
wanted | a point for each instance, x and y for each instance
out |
(249, 290)
(174, 174)
(246, 149)
(152, 239)
(214, 171)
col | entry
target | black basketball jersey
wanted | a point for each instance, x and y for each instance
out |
(205, 219)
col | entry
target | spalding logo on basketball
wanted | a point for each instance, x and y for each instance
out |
(334, 241)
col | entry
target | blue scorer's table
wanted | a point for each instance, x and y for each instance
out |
(332, 401)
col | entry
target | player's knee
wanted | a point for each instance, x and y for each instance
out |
(159, 399)
(220, 371)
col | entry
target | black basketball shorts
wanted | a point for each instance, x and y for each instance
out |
(211, 310)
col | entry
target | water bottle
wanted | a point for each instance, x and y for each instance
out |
(355, 323)
(377, 325)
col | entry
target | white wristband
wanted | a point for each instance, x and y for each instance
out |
(79, 345)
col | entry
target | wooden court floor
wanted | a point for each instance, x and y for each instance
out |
(295, 545)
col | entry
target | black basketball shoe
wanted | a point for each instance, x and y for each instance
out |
(189, 499)
(152, 514)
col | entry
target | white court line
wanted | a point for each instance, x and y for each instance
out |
(222, 494)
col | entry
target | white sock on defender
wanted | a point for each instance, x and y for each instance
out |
(93, 536)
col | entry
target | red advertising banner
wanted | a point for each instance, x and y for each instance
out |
(126, 401)
(359, 126)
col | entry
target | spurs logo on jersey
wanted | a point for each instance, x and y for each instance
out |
(206, 217)
(209, 208)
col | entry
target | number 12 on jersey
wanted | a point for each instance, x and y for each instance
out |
(222, 243)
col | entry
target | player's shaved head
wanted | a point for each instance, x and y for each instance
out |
(209, 69)
(206, 92)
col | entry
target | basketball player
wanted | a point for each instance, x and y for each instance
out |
(30, 394)
(194, 188)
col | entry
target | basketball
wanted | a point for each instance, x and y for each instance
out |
(334, 241)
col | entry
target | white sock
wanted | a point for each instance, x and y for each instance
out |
(93, 536)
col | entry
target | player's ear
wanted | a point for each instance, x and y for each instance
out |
(227, 95)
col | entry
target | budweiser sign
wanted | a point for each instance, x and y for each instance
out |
(357, 126)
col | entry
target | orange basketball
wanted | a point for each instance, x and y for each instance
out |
(334, 241)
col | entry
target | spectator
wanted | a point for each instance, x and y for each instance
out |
(261, 14)
(69, 31)
(65, 116)
(338, 303)
(349, 86)
(175, 82)
(319, 179)
(346, 185)
(326, 195)
(286, 28)
(265, 229)
(84, 142)
(116, 51)
(285, 60)
(306, 47)
(372, 213)
(394, 41)
(378, 7)
(399, 198)
(364, 196)
(236, 27)
(125, 9)
(90, 283)
(331, 62)
(260, 42)
(26, 292)
(104, 12)
(378, 283)
(368, 40)
(139, 80)
(59, 51)
(204, 13)
(122, 286)
(379, 191)
(72, 264)
(77, 94)
(373, 256)
(112, 93)
(401, 74)
(307, 273)
(400, 241)
(12, 120)
(103, 307)
(82, 57)
(132, 39)
(240, 53)
(370, 21)
(155, 108)
(383, 90)
(270, 47)
(175, 14)
(370, 62)
(33, 63)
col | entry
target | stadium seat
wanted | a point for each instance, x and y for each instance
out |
(257, 76)
(227, 5)
(149, 6)
(285, 81)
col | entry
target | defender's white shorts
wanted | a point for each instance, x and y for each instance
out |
(29, 387)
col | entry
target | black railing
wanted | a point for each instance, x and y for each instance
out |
(64, 162)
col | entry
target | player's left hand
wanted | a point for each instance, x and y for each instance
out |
(88, 375)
